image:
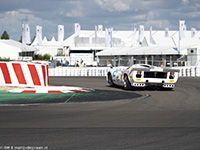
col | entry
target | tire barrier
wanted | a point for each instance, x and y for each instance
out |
(23, 74)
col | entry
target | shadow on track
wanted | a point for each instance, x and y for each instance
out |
(149, 88)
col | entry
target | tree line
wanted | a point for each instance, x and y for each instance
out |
(5, 36)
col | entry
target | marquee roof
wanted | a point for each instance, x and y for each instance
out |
(17, 45)
(126, 42)
(157, 50)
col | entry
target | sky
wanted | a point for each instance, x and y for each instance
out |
(119, 14)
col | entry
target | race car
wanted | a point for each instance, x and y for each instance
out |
(142, 76)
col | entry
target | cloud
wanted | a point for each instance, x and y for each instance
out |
(139, 17)
(20, 16)
(158, 24)
(119, 14)
(185, 2)
(12, 22)
(76, 9)
(114, 5)
(152, 15)
(194, 15)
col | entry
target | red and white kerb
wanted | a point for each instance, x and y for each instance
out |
(51, 89)
(23, 74)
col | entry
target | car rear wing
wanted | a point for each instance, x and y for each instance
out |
(170, 70)
(159, 69)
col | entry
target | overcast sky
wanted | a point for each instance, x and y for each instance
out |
(119, 14)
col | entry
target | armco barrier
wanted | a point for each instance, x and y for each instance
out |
(23, 74)
(192, 71)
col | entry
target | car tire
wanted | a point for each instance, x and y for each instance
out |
(127, 84)
(110, 81)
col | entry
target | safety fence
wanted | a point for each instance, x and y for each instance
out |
(78, 71)
(192, 71)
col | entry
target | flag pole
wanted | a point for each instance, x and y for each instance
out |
(182, 30)
(179, 43)
(179, 38)
(96, 38)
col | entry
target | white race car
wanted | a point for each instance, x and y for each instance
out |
(142, 75)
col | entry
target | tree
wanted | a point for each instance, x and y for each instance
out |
(47, 56)
(20, 39)
(5, 36)
(42, 57)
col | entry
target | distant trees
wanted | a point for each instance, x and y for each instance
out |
(5, 36)
(42, 57)
(4, 58)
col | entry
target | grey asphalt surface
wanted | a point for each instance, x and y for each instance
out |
(162, 120)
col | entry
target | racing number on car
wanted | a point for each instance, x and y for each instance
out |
(115, 74)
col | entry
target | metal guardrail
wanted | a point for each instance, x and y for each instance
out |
(192, 71)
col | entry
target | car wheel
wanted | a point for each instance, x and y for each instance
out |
(127, 84)
(110, 81)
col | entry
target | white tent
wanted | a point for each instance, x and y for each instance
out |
(49, 47)
(12, 49)
(124, 43)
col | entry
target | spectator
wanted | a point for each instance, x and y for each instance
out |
(81, 64)
(77, 64)
(109, 64)
(66, 63)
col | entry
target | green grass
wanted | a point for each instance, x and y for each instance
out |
(27, 98)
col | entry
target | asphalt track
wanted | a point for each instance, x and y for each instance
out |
(158, 120)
